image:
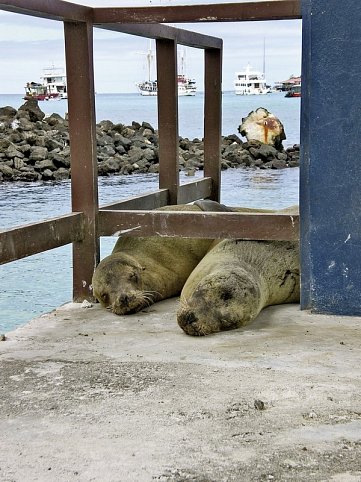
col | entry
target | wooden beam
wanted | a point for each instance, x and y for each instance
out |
(168, 118)
(258, 226)
(158, 31)
(223, 12)
(188, 192)
(53, 10)
(152, 200)
(213, 119)
(22, 241)
(198, 189)
(83, 151)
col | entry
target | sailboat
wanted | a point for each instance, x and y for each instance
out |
(149, 87)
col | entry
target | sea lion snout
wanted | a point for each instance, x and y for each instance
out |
(125, 299)
(190, 318)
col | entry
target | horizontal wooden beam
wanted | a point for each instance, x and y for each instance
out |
(157, 31)
(23, 241)
(191, 191)
(198, 189)
(258, 226)
(53, 10)
(152, 200)
(109, 17)
(222, 12)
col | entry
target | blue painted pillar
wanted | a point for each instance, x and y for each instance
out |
(330, 174)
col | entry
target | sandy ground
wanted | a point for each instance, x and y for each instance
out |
(90, 396)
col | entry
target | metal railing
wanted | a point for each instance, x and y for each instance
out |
(88, 221)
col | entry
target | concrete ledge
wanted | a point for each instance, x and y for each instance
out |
(87, 395)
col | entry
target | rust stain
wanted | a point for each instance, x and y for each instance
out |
(265, 128)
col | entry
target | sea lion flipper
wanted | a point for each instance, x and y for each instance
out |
(212, 206)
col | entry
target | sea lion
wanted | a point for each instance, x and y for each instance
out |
(235, 281)
(143, 270)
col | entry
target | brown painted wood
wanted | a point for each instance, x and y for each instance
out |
(198, 189)
(168, 118)
(54, 9)
(188, 192)
(258, 226)
(213, 119)
(83, 150)
(22, 241)
(225, 12)
(158, 31)
(150, 200)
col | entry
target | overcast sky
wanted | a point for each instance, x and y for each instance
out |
(28, 45)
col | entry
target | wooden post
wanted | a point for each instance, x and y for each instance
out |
(168, 118)
(213, 119)
(82, 132)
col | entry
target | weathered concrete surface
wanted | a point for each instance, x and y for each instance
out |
(90, 396)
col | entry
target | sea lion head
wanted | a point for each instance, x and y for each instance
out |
(221, 301)
(118, 285)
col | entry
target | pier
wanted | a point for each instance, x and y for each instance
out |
(88, 395)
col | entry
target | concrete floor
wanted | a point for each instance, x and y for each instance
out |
(91, 396)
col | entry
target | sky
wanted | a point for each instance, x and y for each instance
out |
(28, 45)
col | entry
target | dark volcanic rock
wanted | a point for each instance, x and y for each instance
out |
(34, 147)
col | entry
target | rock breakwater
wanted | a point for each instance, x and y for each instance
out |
(34, 147)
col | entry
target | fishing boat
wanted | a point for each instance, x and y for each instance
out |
(250, 82)
(186, 85)
(51, 87)
(294, 91)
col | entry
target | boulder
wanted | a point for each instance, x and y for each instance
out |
(7, 112)
(263, 126)
(35, 113)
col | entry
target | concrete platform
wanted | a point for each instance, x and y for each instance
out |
(90, 396)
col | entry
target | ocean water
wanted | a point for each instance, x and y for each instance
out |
(38, 284)
(126, 108)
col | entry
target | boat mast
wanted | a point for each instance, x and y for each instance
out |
(182, 58)
(264, 57)
(150, 60)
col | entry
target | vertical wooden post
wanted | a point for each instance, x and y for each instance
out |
(213, 119)
(168, 118)
(82, 132)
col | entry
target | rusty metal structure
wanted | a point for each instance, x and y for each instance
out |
(88, 221)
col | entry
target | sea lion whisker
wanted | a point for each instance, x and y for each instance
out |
(152, 293)
(148, 302)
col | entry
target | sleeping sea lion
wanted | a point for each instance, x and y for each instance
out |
(235, 281)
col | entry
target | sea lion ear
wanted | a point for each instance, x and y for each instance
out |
(143, 268)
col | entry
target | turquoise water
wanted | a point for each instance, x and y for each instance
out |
(38, 284)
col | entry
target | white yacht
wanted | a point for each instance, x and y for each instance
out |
(250, 82)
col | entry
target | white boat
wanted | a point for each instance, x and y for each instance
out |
(250, 82)
(186, 85)
(52, 86)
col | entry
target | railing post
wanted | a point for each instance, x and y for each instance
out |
(213, 119)
(82, 132)
(168, 118)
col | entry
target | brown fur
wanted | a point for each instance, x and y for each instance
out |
(235, 281)
(141, 271)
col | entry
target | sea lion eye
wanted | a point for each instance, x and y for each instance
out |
(134, 277)
(104, 297)
(226, 295)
